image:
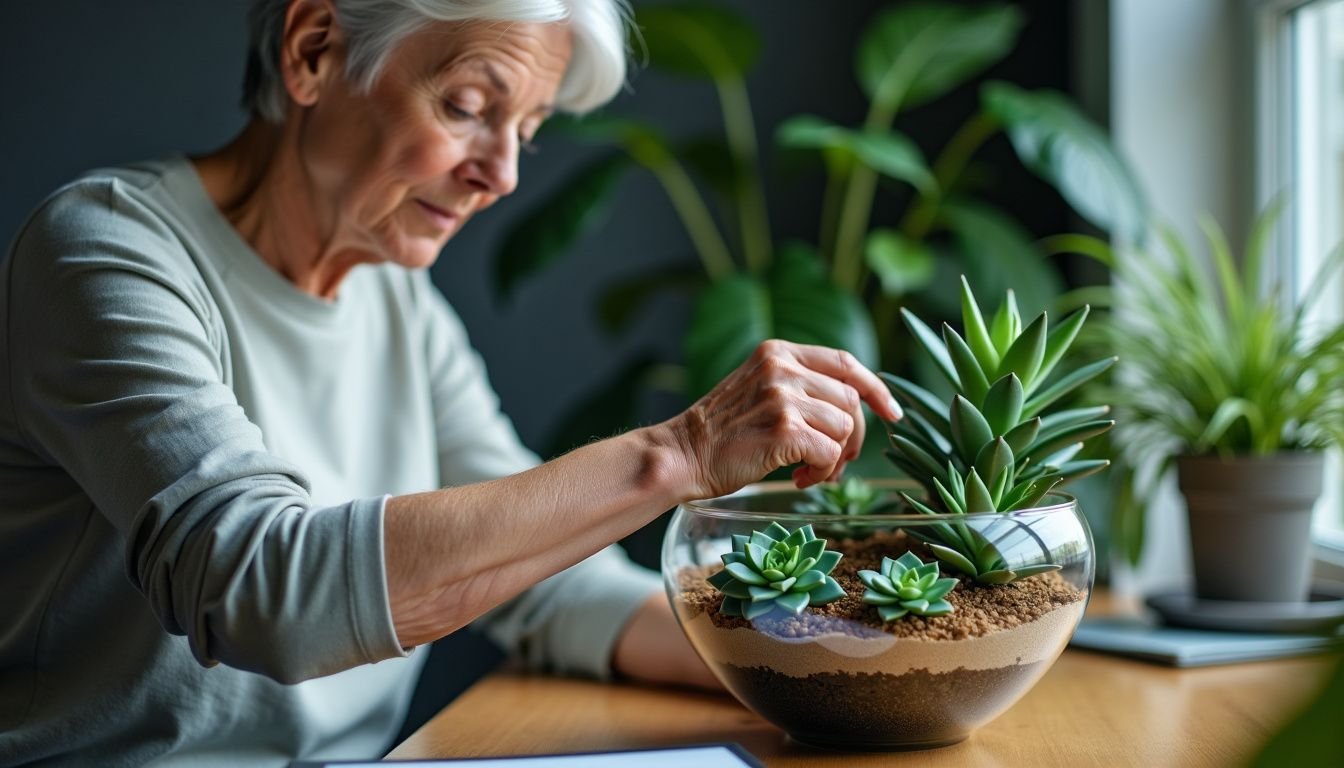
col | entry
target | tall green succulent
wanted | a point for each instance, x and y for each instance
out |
(851, 497)
(776, 569)
(907, 585)
(995, 447)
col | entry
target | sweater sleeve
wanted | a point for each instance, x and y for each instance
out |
(118, 377)
(571, 621)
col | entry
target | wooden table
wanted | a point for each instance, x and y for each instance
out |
(1089, 709)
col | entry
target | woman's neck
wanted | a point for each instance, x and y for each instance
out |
(258, 183)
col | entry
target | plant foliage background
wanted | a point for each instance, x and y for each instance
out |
(820, 223)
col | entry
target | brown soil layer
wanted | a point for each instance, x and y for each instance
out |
(880, 711)
(977, 610)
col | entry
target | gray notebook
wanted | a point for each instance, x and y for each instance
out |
(1140, 639)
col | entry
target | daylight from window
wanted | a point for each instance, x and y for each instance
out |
(1318, 178)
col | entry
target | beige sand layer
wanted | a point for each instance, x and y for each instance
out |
(1039, 640)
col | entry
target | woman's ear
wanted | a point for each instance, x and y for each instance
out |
(310, 50)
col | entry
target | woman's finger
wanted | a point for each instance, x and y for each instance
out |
(844, 396)
(828, 388)
(817, 452)
(831, 421)
(841, 365)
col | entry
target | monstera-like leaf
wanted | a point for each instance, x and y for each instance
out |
(1059, 144)
(915, 52)
(794, 300)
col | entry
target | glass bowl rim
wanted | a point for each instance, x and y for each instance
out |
(707, 508)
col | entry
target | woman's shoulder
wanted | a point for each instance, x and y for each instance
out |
(98, 199)
(111, 216)
(111, 234)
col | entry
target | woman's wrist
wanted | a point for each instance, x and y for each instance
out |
(668, 466)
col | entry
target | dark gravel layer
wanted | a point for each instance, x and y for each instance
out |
(879, 711)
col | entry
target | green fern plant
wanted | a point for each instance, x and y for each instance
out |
(907, 585)
(1217, 361)
(995, 447)
(776, 570)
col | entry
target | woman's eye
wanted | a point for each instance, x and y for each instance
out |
(458, 112)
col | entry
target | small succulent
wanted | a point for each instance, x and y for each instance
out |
(776, 569)
(907, 585)
(851, 497)
(994, 448)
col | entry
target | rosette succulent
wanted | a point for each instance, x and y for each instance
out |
(776, 569)
(907, 585)
(995, 447)
(850, 497)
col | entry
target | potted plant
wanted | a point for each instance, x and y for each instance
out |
(852, 626)
(1226, 379)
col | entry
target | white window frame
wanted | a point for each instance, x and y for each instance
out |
(1275, 150)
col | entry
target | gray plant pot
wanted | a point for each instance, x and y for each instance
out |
(1250, 524)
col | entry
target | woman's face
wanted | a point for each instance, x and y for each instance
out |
(397, 171)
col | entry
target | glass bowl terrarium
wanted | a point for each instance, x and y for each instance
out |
(872, 617)
(868, 661)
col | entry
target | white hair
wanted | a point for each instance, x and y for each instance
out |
(373, 28)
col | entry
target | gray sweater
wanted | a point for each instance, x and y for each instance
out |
(194, 458)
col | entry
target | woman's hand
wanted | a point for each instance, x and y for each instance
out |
(787, 404)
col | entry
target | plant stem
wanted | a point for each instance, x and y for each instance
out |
(854, 212)
(947, 168)
(885, 309)
(836, 173)
(847, 268)
(741, 131)
(695, 217)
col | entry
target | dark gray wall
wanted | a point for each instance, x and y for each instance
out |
(88, 83)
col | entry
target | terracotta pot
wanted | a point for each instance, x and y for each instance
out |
(1250, 524)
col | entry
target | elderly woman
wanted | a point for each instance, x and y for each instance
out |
(230, 394)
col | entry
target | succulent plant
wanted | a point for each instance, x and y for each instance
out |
(994, 448)
(850, 497)
(776, 569)
(907, 585)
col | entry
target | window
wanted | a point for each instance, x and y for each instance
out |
(1300, 132)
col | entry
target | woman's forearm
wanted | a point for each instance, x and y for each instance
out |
(451, 555)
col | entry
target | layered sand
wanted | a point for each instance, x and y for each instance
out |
(1041, 639)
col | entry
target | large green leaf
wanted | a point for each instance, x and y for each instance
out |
(891, 153)
(901, 264)
(574, 208)
(699, 40)
(1059, 144)
(998, 255)
(916, 52)
(793, 301)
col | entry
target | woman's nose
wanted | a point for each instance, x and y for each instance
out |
(494, 166)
